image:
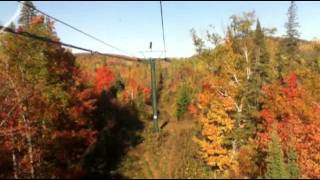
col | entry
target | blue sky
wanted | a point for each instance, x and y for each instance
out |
(132, 25)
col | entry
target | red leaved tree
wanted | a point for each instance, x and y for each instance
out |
(104, 79)
(291, 108)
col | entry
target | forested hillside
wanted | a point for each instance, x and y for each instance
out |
(246, 105)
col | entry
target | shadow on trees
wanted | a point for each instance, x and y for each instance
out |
(118, 129)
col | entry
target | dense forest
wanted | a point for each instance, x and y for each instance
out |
(244, 106)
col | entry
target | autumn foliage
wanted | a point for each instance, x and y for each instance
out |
(291, 108)
(253, 103)
(104, 79)
(37, 20)
(216, 125)
(45, 107)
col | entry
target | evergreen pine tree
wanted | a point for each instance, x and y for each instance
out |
(184, 99)
(260, 76)
(27, 12)
(276, 168)
(292, 36)
(287, 55)
(293, 166)
(262, 66)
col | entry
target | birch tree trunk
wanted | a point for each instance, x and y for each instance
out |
(14, 160)
(26, 122)
(248, 70)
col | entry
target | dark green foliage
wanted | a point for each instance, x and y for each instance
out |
(261, 68)
(117, 87)
(261, 72)
(276, 167)
(293, 167)
(26, 13)
(184, 98)
(287, 56)
(261, 75)
(292, 32)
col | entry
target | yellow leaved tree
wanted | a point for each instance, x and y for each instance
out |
(216, 128)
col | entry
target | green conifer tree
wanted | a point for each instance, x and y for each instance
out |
(276, 167)
(27, 12)
(288, 59)
(184, 99)
(293, 166)
(260, 76)
(292, 32)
